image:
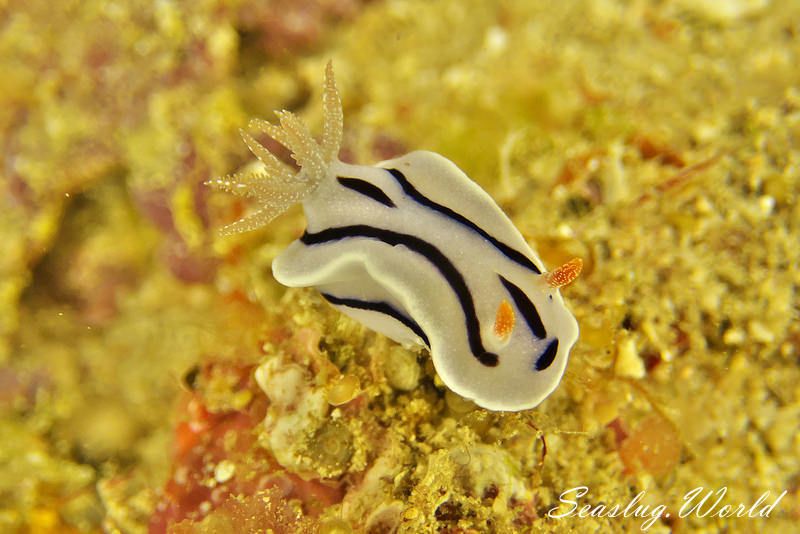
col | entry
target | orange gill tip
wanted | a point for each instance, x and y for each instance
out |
(564, 275)
(504, 320)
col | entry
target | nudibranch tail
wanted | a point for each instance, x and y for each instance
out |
(277, 187)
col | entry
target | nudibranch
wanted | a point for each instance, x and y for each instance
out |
(415, 250)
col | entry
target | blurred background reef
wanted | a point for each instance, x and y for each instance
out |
(153, 375)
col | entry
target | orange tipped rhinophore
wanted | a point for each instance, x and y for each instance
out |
(565, 274)
(504, 319)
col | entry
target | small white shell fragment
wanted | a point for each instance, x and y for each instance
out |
(224, 471)
(734, 336)
(628, 362)
(401, 369)
(759, 332)
(766, 204)
(416, 250)
(282, 383)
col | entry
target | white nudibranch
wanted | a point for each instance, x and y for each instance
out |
(415, 250)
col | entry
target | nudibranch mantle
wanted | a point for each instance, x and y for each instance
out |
(416, 250)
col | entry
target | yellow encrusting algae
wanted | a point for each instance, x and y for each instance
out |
(155, 376)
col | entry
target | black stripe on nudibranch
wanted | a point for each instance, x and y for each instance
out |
(433, 255)
(380, 307)
(367, 189)
(526, 308)
(547, 357)
(511, 253)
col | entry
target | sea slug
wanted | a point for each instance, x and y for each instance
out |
(414, 249)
